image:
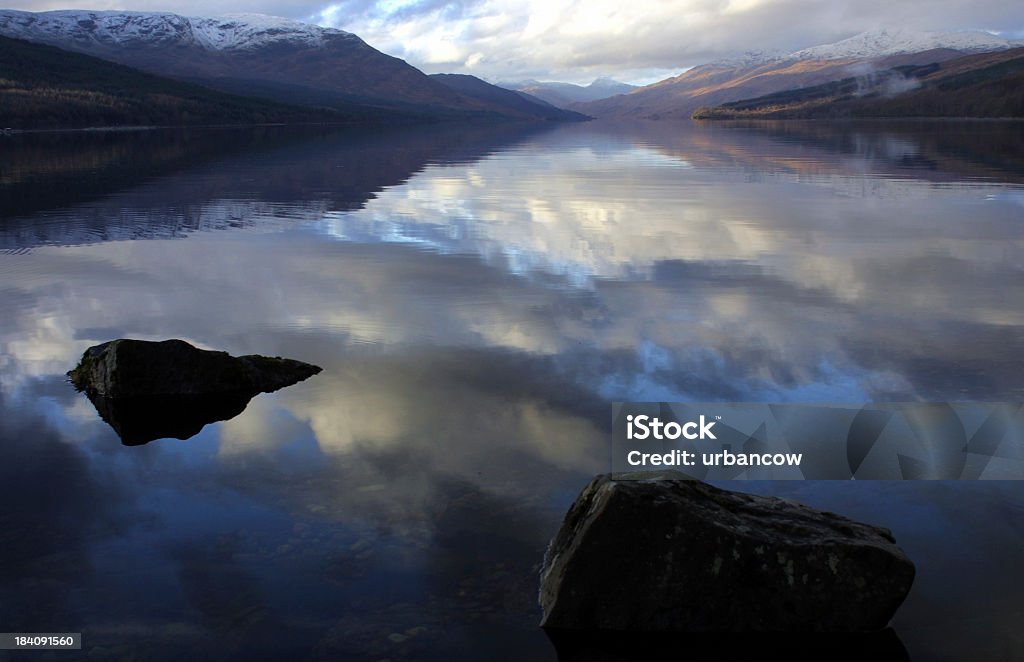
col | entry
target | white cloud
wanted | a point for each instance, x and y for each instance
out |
(641, 41)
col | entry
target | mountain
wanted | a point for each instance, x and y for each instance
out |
(895, 41)
(498, 99)
(46, 87)
(246, 54)
(757, 75)
(565, 94)
(981, 85)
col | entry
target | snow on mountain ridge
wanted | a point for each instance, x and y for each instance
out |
(750, 58)
(119, 28)
(896, 41)
(875, 44)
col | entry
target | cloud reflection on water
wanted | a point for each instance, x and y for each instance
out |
(473, 323)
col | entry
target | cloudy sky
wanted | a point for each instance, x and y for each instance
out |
(576, 41)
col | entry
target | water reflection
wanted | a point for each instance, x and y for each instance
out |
(476, 300)
(934, 151)
(57, 507)
(142, 420)
(84, 188)
(611, 646)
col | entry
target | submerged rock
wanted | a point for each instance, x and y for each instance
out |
(149, 390)
(685, 556)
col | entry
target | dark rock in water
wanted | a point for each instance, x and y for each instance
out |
(684, 556)
(140, 368)
(150, 390)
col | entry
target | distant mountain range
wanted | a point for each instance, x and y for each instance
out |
(565, 95)
(760, 74)
(981, 85)
(269, 58)
(289, 65)
(511, 101)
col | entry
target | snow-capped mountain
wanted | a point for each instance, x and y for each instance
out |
(875, 44)
(751, 59)
(249, 54)
(758, 73)
(127, 29)
(897, 41)
(267, 57)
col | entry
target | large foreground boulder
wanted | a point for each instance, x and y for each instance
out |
(152, 390)
(682, 555)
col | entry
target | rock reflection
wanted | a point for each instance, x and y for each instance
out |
(148, 390)
(141, 420)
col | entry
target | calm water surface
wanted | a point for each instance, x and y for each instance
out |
(477, 297)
